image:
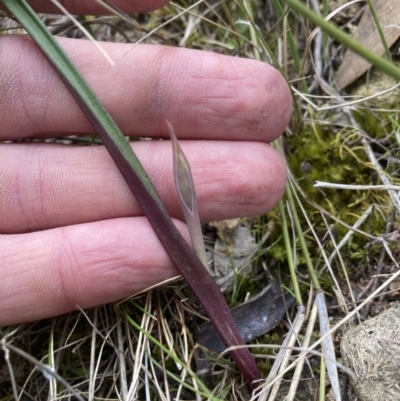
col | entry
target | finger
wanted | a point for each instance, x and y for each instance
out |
(203, 95)
(92, 7)
(44, 186)
(52, 272)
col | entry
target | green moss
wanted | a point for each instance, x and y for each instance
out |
(318, 154)
(273, 338)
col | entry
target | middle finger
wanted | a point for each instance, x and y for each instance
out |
(45, 185)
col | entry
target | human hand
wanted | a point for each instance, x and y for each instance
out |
(73, 233)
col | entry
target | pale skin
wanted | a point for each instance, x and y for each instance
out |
(72, 235)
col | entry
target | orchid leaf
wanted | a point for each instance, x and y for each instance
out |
(187, 196)
(189, 265)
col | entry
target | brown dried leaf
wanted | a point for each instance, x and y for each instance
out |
(354, 66)
(225, 228)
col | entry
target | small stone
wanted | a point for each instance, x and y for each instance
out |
(372, 351)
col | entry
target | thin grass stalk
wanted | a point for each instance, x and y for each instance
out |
(322, 380)
(161, 329)
(288, 248)
(342, 37)
(122, 361)
(253, 35)
(178, 380)
(226, 24)
(327, 345)
(183, 345)
(349, 234)
(379, 170)
(342, 264)
(99, 362)
(325, 49)
(47, 371)
(51, 363)
(189, 265)
(323, 254)
(266, 48)
(260, 38)
(146, 378)
(6, 353)
(191, 25)
(271, 386)
(203, 389)
(154, 377)
(92, 377)
(299, 368)
(294, 335)
(292, 43)
(289, 39)
(153, 31)
(302, 240)
(317, 48)
(380, 30)
(140, 351)
(83, 29)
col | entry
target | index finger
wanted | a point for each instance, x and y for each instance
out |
(204, 95)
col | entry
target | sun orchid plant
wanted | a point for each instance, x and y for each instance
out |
(190, 266)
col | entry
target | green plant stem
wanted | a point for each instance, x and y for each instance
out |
(344, 38)
(289, 254)
(265, 47)
(325, 46)
(292, 43)
(189, 265)
(302, 240)
(253, 35)
(380, 31)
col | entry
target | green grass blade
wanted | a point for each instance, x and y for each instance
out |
(291, 41)
(191, 268)
(290, 259)
(380, 30)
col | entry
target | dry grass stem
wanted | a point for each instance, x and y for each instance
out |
(299, 368)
